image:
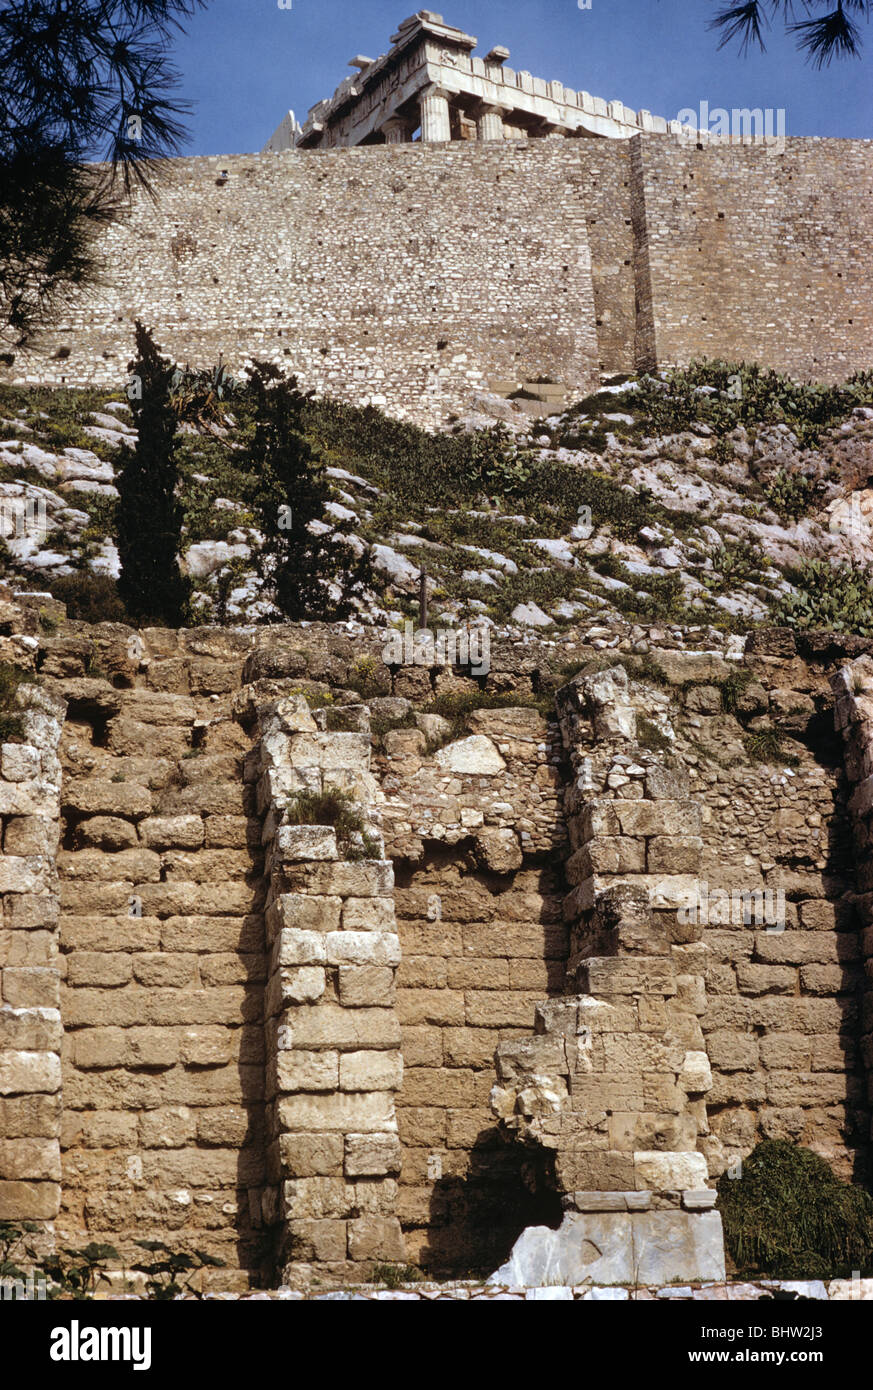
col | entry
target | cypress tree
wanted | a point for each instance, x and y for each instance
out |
(149, 516)
(314, 573)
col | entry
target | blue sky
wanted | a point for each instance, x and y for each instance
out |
(244, 63)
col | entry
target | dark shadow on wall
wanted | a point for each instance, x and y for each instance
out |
(468, 980)
(475, 1220)
(838, 880)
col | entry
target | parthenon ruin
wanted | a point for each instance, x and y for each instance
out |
(430, 86)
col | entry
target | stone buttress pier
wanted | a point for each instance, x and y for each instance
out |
(332, 1033)
(615, 1078)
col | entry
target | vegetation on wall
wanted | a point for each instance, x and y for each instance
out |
(829, 598)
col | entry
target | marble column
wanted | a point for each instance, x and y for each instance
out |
(396, 131)
(489, 120)
(435, 121)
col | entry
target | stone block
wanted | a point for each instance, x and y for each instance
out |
(20, 762)
(315, 1242)
(316, 1198)
(312, 1155)
(348, 1113)
(369, 914)
(370, 1071)
(29, 836)
(29, 1201)
(642, 975)
(362, 948)
(307, 1071)
(295, 947)
(366, 879)
(30, 1159)
(169, 1127)
(22, 873)
(298, 843)
(659, 818)
(674, 854)
(205, 1047)
(366, 984)
(172, 832)
(376, 1238)
(669, 1172)
(295, 984)
(30, 1030)
(31, 987)
(303, 912)
(25, 1073)
(371, 1155)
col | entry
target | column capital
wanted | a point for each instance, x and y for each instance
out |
(397, 130)
(434, 90)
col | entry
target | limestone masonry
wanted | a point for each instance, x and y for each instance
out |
(418, 275)
(307, 1064)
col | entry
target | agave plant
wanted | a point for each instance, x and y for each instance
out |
(199, 397)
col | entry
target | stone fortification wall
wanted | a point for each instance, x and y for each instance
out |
(759, 253)
(403, 276)
(414, 276)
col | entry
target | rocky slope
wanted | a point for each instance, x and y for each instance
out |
(755, 510)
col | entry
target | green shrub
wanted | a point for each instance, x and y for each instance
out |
(651, 737)
(339, 810)
(200, 397)
(325, 808)
(743, 393)
(791, 495)
(369, 678)
(732, 688)
(789, 1217)
(395, 1276)
(169, 1275)
(832, 598)
(732, 565)
(89, 598)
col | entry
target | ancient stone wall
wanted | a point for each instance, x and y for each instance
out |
(30, 1019)
(606, 182)
(334, 1058)
(406, 276)
(162, 942)
(853, 689)
(412, 276)
(783, 979)
(759, 253)
(236, 1086)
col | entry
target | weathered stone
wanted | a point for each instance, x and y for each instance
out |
(476, 756)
